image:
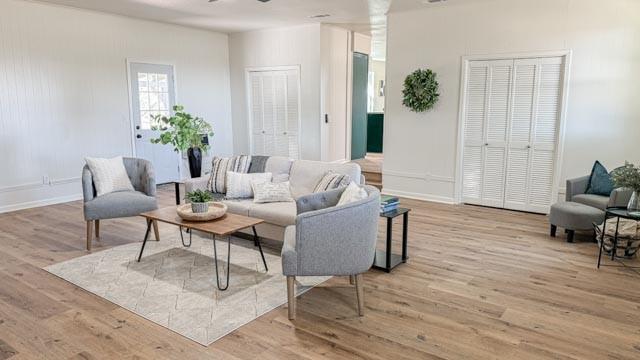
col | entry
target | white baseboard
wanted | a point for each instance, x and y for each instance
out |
(39, 203)
(419, 196)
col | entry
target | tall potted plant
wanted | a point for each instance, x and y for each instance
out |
(628, 177)
(184, 131)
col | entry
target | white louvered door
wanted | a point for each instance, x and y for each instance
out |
(274, 109)
(513, 106)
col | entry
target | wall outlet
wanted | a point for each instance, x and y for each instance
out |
(46, 180)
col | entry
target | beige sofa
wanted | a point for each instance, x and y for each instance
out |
(303, 176)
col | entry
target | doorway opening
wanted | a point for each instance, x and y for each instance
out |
(367, 128)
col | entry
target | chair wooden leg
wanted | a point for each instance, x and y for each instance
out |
(352, 279)
(155, 230)
(89, 234)
(360, 294)
(291, 296)
(97, 228)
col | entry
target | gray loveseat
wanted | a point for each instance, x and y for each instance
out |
(303, 176)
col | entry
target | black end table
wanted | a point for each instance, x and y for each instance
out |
(614, 213)
(386, 260)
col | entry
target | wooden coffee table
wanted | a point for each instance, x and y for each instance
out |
(222, 227)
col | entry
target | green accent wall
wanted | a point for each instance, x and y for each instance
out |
(375, 129)
(359, 106)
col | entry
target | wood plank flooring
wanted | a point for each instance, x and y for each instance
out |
(480, 284)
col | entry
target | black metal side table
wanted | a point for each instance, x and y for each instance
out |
(611, 213)
(386, 260)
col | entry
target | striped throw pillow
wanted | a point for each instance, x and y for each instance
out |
(332, 180)
(219, 168)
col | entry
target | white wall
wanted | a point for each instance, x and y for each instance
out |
(377, 67)
(298, 45)
(64, 92)
(603, 117)
(335, 92)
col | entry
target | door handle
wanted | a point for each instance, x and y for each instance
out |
(486, 144)
(326, 118)
(139, 136)
(137, 127)
(528, 146)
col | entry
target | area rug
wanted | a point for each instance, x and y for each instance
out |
(175, 286)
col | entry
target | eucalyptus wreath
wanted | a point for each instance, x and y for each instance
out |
(420, 91)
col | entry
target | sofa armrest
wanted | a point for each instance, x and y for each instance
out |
(199, 183)
(576, 186)
(620, 197)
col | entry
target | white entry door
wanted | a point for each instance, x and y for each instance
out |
(152, 93)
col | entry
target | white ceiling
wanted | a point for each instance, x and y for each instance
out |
(367, 16)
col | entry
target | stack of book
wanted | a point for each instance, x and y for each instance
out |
(388, 203)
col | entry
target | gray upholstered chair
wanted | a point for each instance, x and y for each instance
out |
(122, 203)
(330, 240)
(576, 192)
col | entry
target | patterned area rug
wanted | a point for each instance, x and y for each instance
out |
(175, 286)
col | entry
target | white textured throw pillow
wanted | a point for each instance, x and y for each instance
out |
(239, 184)
(352, 193)
(109, 175)
(266, 192)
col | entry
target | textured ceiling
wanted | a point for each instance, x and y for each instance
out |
(366, 16)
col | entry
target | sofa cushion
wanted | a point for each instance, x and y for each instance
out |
(306, 174)
(239, 207)
(280, 167)
(119, 204)
(596, 201)
(280, 213)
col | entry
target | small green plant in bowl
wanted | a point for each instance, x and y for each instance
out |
(199, 200)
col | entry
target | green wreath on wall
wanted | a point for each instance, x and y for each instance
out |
(420, 91)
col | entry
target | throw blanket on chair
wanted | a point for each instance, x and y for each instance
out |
(258, 164)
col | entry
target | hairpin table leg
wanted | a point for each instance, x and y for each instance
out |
(182, 238)
(215, 260)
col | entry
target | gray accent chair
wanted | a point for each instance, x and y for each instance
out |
(122, 203)
(577, 192)
(581, 210)
(329, 240)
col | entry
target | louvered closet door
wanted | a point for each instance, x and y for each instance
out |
(520, 134)
(546, 120)
(485, 134)
(475, 114)
(495, 152)
(512, 113)
(274, 103)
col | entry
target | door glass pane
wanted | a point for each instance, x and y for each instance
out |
(144, 101)
(163, 100)
(153, 95)
(142, 82)
(163, 83)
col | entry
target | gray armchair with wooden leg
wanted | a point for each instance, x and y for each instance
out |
(330, 240)
(122, 203)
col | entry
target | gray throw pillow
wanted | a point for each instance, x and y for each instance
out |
(319, 200)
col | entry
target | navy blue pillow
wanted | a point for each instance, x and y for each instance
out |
(600, 182)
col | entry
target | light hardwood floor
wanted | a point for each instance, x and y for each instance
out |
(480, 283)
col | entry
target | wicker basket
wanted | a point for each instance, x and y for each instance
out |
(216, 210)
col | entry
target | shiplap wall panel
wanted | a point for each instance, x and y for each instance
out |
(64, 91)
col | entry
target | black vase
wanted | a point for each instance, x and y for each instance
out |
(195, 161)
